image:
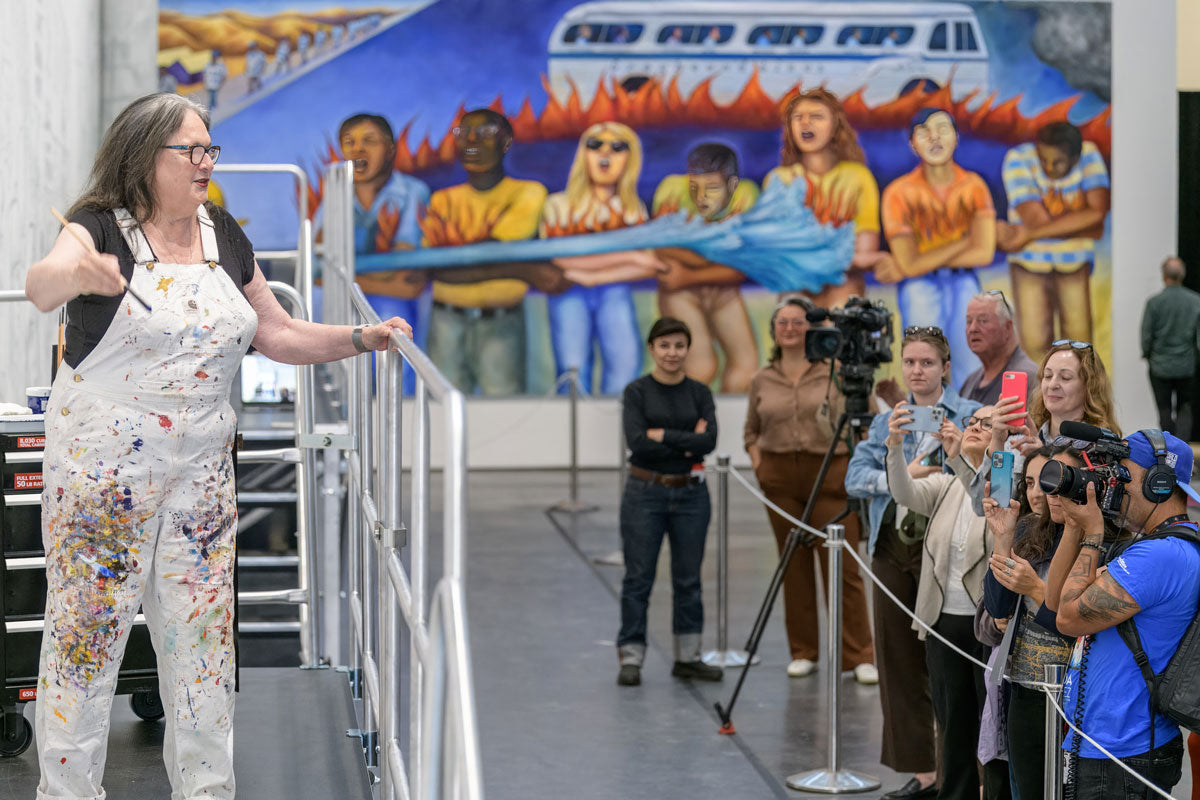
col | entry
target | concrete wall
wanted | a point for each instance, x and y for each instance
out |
(67, 67)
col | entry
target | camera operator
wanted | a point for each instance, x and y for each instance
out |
(894, 545)
(1155, 582)
(953, 563)
(790, 421)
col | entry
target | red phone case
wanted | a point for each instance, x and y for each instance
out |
(1015, 384)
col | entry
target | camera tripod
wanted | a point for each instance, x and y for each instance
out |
(859, 419)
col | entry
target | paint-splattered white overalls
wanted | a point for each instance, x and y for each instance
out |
(139, 508)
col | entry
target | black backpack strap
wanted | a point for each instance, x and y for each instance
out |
(1129, 635)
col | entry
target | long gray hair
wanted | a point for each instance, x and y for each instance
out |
(123, 173)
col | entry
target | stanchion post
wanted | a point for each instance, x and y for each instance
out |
(572, 505)
(723, 656)
(834, 779)
(1052, 787)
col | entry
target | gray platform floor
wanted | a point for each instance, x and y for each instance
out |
(289, 743)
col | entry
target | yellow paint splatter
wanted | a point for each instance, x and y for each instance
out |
(163, 283)
(58, 714)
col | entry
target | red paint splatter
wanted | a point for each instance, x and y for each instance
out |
(164, 421)
(63, 761)
(201, 374)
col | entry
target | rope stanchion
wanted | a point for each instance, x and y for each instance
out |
(723, 656)
(763, 499)
(834, 779)
(1052, 785)
(572, 504)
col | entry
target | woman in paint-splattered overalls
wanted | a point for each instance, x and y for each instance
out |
(138, 506)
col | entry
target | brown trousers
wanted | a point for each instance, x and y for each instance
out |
(1041, 298)
(909, 743)
(786, 479)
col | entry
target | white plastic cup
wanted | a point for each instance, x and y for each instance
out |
(36, 398)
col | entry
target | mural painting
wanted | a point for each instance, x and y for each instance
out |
(533, 190)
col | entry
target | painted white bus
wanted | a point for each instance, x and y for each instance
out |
(884, 48)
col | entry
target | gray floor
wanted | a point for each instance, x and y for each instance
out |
(289, 734)
(543, 618)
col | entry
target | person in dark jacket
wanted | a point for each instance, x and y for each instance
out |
(670, 425)
(1170, 333)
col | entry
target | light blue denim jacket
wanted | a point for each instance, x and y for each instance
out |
(866, 477)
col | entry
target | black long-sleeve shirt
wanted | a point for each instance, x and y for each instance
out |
(676, 409)
(1001, 602)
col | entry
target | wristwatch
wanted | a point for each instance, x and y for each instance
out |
(357, 340)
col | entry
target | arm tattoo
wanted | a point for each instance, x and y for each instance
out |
(1098, 605)
(1080, 578)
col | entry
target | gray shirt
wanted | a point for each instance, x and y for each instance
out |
(1170, 326)
(973, 387)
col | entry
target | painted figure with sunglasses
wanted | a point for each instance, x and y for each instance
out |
(601, 195)
(992, 337)
(477, 324)
(1058, 199)
(1093, 588)
(704, 294)
(1026, 535)
(821, 148)
(791, 415)
(940, 224)
(894, 545)
(954, 559)
(1170, 336)
(138, 506)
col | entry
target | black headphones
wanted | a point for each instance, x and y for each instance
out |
(1160, 479)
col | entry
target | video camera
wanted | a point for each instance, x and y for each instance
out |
(1102, 452)
(860, 340)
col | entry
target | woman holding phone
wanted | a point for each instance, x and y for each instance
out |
(894, 545)
(954, 560)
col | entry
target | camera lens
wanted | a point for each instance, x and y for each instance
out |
(1059, 479)
(822, 343)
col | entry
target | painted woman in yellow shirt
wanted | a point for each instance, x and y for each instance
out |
(820, 147)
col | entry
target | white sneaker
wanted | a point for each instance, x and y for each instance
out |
(801, 668)
(866, 674)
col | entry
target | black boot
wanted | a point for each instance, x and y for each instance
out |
(697, 670)
(630, 675)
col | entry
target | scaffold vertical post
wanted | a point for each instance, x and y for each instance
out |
(1052, 788)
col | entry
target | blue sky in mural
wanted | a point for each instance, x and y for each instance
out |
(480, 48)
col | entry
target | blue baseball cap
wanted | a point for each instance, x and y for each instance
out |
(1179, 458)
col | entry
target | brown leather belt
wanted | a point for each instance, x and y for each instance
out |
(663, 479)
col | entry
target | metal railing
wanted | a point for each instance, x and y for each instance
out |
(385, 597)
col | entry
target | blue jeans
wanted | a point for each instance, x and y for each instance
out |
(583, 317)
(940, 298)
(1099, 777)
(649, 510)
(479, 349)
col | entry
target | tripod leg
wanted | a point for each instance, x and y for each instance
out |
(785, 559)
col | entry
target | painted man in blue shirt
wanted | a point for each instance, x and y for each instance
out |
(1155, 582)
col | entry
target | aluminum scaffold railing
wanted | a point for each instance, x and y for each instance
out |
(442, 760)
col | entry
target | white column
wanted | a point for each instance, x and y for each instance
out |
(1145, 180)
(129, 52)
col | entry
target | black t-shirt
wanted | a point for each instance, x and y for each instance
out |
(89, 315)
(676, 408)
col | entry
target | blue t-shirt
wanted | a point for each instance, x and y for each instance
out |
(1163, 576)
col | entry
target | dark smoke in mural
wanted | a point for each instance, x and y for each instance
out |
(1076, 39)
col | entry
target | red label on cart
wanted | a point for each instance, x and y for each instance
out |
(26, 694)
(31, 442)
(27, 480)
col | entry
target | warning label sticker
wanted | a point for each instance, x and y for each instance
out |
(31, 442)
(27, 480)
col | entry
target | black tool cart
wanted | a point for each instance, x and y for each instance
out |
(23, 593)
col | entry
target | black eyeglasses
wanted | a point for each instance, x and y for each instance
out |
(1000, 294)
(925, 330)
(983, 422)
(616, 146)
(196, 152)
(1074, 343)
(1067, 441)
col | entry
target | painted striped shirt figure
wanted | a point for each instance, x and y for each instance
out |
(1025, 181)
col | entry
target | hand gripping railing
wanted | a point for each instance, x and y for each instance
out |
(443, 745)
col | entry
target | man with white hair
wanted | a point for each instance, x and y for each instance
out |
(1170, 334)
(992, 337)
